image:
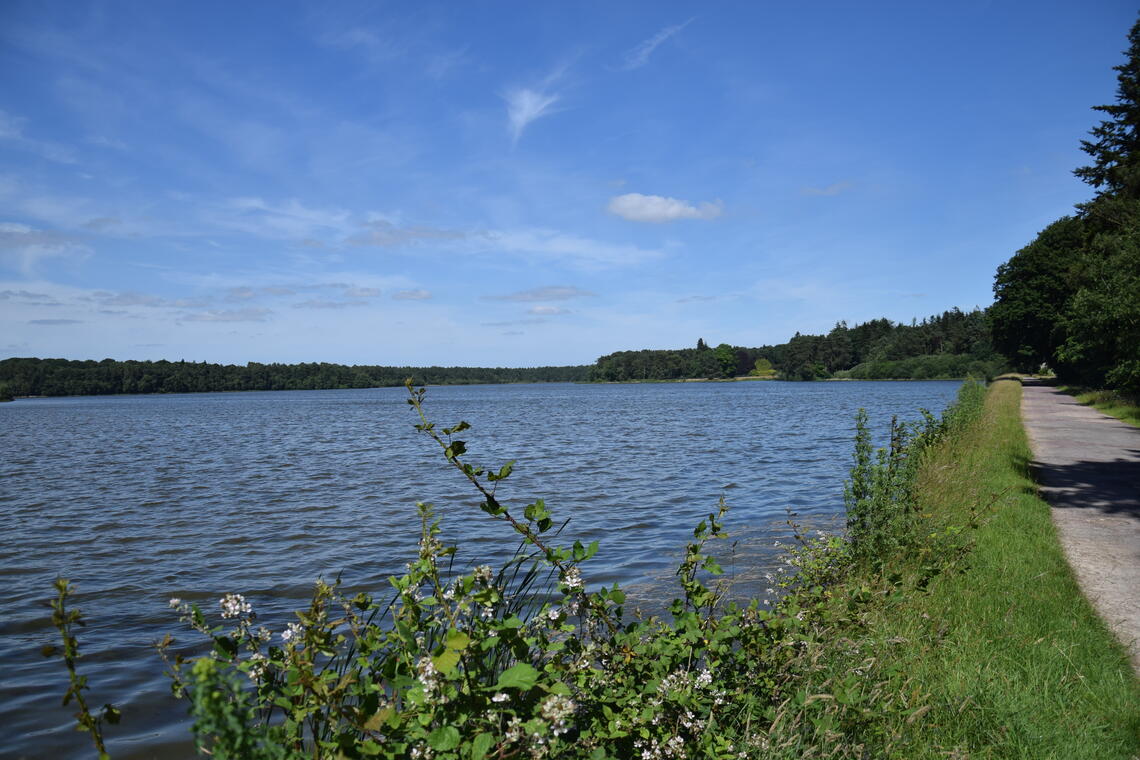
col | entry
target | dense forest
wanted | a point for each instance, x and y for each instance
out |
(952, 344)
(1070, 300)
(62, 377)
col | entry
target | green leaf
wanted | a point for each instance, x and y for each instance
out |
(481, 745)
(521, 676)
(457, 640)
(446, 661)
(444, 738)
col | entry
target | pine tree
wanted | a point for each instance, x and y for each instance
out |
(1116, 148)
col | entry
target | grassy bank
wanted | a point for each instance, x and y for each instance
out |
(1112, 403)
(980, 644)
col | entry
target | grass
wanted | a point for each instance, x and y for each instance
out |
(1112, 403)
(982, 645)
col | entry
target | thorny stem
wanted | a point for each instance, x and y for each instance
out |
(416, 397)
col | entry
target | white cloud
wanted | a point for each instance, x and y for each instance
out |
(547, 311)
(412, 295)
(55, 321)
(524, 105)
(570, 249)
(833, 189)
(229, 315)
(381, 232)
(12, 128)
(639, 55)
(547, 293)
(360, 292)
(25, 248)
(320, 303)
(290, 219)
(658, 209)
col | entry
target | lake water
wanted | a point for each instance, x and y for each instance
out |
(137, 499)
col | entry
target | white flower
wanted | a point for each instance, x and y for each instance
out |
(556, 709)
(500, 697)
(483, 573)
(257, 663)
(234, 605)
(175, 602)
(572, 579)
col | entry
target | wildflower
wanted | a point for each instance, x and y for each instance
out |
(264, 634)
(483, 574)
(257, 663)
(292, 631)
(500, 697)
(234, 605)
(572, 579)
(427, 674)
(175, 602)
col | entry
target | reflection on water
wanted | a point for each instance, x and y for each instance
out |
(140, 498)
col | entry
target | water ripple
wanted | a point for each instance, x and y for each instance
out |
(140, 498)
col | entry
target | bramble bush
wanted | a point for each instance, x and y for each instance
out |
(527, 660)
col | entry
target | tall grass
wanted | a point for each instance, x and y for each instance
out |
(980, 644)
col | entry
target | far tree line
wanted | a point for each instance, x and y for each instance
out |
(951, 344)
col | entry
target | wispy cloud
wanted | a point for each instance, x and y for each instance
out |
(320, 303)
(833, 189)
(290, 219)
(412, 295)
(55, 321)
(547, 311)
(658, 209)
(361, 292)
(639, 55)
(12, 130)
(547, 293)
(228, 315)
(584, 253)
(525, 104)
(24, 247)
(442, 64)
(384, 234)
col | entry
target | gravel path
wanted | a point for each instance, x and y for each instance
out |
(1088, 466)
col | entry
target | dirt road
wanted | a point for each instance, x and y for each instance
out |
(1088, 466)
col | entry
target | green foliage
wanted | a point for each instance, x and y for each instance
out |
(1115, 170)
(1069, 298)
(762, 368)
(529, 661)
(525, 660)
(62, 377)
(64, 619)
(1033, 290)
(976, 641)
(880, 496)
(964, 336)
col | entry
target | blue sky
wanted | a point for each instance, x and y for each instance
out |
(518, 184)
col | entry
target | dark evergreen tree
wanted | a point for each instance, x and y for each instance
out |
(1115, 169)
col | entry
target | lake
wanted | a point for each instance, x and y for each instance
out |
(138, 499)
